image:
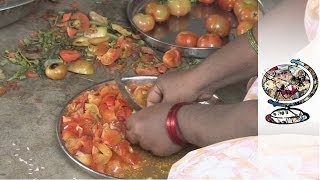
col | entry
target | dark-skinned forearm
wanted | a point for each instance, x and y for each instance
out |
(203, 125)
(234, 62)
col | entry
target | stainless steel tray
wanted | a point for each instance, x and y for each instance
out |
(169, 30)
(139, 80)
(13, 10)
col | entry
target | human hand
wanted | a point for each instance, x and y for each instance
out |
(179, 86)
(148, 129)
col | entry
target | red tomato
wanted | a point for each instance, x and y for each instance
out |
(244, 26)
(219, 25)
(207, 1)
(172, 58)
(187, 39)
(209, 40)
(179, 7)
(250, 8)
(144, 22)
(161, 13)
(226, 5)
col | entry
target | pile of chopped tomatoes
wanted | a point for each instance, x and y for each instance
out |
(93, 129)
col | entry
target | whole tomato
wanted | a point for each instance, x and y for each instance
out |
(144, 22)
(172, 58)
(207, 1)
(150, 8)
(161, 13)
(226, 5)
(209, 40)
(219, 25)
(246, 10)
(244, 26)
(179, 7)
(187, 39)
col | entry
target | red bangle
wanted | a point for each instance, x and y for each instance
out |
(173, 126)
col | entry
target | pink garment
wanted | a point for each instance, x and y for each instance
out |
(264, 157)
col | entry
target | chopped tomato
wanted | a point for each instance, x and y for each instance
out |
(116, 166)
(87, 144)
(111, 56)
(147, 58)
(125, 151)
(69, 55)
(102, 49)
(123, 113)
(108, 90)
(109, 100)
(172, 58)
(71, 32)
(73, 145)
(66, 17)
(74, 128)
(108, 116)
(111, 137)
(119, 126)
(84, 21)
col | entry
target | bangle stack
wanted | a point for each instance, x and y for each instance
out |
(173, 126)
(252, 41)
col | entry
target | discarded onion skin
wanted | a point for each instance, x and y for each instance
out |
(81, 67)
(56, 71)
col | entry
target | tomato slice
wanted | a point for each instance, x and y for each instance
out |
(84, 21)
(69, 55)
(111, 56)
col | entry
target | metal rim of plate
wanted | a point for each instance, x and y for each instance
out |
(133, 79)
(134, 6)
(13, 10)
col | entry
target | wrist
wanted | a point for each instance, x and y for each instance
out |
(172, 125)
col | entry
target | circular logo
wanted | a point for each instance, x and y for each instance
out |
(286, 82)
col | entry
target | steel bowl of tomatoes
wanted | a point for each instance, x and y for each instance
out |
(195, 27)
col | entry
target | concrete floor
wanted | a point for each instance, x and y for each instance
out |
(28, 116)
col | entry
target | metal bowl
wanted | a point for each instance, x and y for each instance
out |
(162, 37)
(139, 80)
(13, 10)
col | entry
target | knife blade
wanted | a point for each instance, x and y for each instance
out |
(123, 90)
